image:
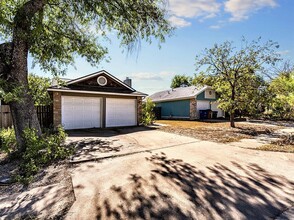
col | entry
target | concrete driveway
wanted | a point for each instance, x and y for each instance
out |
(158, 175)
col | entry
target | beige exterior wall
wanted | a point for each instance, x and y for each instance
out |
(56, 109)
(139, 110)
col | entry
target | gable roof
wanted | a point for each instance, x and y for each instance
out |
(96, 74)
(180, 93)
(74, 87)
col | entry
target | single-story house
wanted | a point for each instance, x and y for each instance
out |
(186, 102)
(97, 100)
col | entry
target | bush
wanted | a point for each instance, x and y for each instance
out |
(39, 151)
(7, 140)
(148, 116)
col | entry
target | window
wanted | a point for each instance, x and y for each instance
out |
(101, 80)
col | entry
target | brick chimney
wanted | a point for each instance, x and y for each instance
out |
(128, 81)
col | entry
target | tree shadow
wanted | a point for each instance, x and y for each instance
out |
(106, 132)
(178, 190)
(90, 148)
(46, 202)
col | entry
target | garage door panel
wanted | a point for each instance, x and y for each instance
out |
(120, 112)
(80, 112)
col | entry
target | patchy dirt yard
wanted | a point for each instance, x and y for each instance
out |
(284, 144)
(50, 195)
(217, 131)
(260, 135)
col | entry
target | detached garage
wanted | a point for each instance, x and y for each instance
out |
(97, 100)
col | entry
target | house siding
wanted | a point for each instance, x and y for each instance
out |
(201, 96)
(175, 109)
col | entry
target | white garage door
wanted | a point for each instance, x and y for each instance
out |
(120, 112)
(80, 112)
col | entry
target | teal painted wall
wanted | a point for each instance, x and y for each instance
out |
(179, 108)
(201, 97)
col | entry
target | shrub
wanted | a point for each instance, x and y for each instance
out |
(148, 116)
(7, 140)
(41, 151)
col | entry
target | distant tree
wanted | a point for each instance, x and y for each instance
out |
(54, 32)
(181, 80)
(282, 89)
(237, 75)
(38, 89)
(202, 79)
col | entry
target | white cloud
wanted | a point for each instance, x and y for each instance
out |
(183, 9)
(241, 9)
(151, 76)
(215, 26)
(194, 8)
(179, 22)
(145, 76)
(284, 52)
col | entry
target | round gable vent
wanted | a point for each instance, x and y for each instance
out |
(101, 80)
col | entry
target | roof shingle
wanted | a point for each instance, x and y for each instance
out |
(177, 93)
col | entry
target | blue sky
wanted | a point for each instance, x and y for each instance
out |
(200, 24)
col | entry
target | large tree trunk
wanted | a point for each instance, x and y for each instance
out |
(22, 108)
(232, 112)
(23, 111)
(232, 119)
(15, 70)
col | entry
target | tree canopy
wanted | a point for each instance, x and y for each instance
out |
(57, 31)
(38, 88)
(54, 32)
(181, 80)
(282, 90)
(237, 74)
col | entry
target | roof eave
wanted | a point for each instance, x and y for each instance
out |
(174, 99)
(95, 92)
(97, 74)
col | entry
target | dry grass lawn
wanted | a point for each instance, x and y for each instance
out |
(278, 148)
(218, 131)
(284, 144)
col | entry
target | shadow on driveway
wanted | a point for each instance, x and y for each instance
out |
(106, 132)
(239, 192)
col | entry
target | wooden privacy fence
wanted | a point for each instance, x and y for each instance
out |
(45, 116)
(5, 116)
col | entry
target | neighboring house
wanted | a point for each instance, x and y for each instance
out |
(185, 102)
(97, 100)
